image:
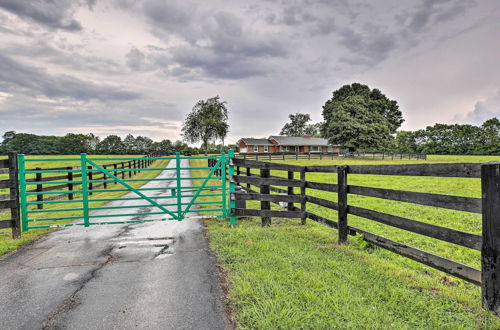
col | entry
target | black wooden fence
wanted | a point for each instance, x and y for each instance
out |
(332, 155)
(489, 206)
(10, 202)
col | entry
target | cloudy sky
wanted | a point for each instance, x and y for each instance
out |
(127, 66)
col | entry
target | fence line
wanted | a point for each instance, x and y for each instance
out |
(330, 155)
(489, 206)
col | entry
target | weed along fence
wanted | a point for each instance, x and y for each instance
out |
(334, 155)
(258, 187)
(10, 202)
(50, 184)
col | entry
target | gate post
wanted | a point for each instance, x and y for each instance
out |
(22, 191)
(178, 182)
(490, 251)
(85, 195)
(232, 189)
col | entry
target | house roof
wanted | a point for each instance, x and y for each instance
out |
(299, 141)
(256, 142)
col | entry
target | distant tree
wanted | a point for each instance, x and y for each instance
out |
(360, 117)
(129, 144)
(206, 122)
(491, 133)
(143, 145)
(112, 145)
(298, 126)
(92, 142)
(72, 144)
(165, 146)
(405, 142)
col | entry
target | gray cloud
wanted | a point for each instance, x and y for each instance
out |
(483, 110)
(216, 44)
(16, 77)
(434, 11)
(57, 14)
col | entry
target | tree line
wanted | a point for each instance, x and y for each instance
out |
(453, 139)
(71, 144)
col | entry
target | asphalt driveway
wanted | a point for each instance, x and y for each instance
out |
(157, 275)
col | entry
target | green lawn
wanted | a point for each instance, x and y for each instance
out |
(290, 276)
(8, 244)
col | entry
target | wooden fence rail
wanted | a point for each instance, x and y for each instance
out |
(489, 206)
(330, 155)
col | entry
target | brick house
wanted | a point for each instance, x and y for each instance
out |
(301, 144)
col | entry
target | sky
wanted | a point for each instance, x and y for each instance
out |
(138, 67)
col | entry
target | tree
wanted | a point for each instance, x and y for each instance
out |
(129, 144)
(360, 117)
(143, 145)
(72, 144)
(112, 144)
(206, 122)
(491, 133)
(298, 125)
(92, 141)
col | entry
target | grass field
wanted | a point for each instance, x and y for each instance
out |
(8, 244)
(290, 276)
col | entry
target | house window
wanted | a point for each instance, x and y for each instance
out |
(315, 148)
(284, 148)
(266, 148)
(255, 148)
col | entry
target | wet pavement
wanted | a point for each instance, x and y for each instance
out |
(157, 275)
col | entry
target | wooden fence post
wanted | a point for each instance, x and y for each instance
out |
(303, 194)
(490, 252)
(105, 177)
(115, 166)
(123, 170)
(342, 202)
(70, 185)
(14, 195)
(290, 191)
(248, 174)
(39, 188)
(90, 176)
(265, 189)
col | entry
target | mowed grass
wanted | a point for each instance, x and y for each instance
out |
(8, 244)
(293, 276)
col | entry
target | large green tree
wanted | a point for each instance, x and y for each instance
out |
(299, 125)
(360, 117)
(206, 122)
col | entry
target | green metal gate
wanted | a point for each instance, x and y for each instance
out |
(80, 195)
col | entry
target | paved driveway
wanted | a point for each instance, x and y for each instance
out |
(156, 275)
